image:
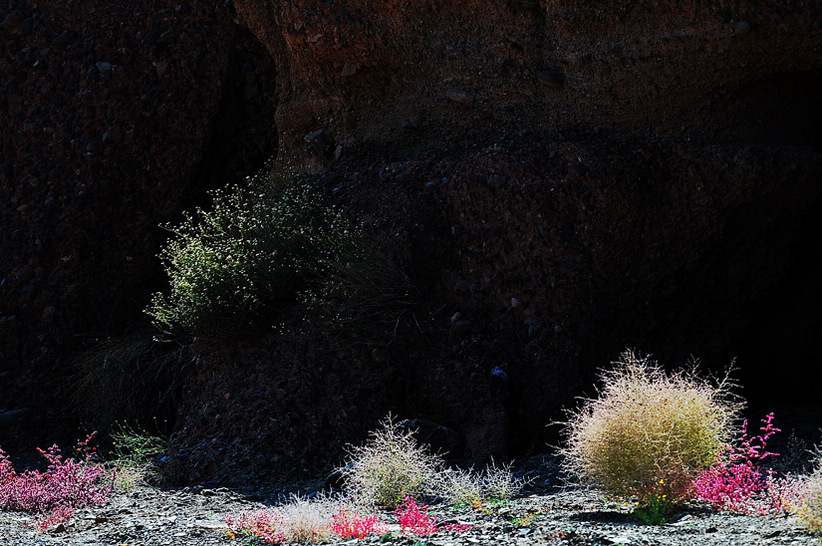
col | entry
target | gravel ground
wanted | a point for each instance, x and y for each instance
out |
(554, 514)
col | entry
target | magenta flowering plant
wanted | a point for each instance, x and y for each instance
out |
(346, 524)
(264, 524)
(738, 482)
(414, 519)
(53, 495)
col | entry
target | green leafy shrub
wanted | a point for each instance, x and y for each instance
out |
(255, 249)
(391, 466)
(272, 244)
(649, 432)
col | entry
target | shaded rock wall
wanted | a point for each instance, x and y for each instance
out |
(559, 179)
(536, 263)
(109, 111)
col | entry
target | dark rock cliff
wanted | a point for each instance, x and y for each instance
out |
(115, 117)
(559, 180)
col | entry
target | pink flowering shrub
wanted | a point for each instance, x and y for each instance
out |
(346, 524)
(415, 520)
(264, 524)
(738, 482)
(68, 484)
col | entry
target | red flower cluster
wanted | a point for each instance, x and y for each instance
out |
(739, 483)
(347, 525)
(415, 519)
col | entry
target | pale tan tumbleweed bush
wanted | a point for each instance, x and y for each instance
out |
(649, 432)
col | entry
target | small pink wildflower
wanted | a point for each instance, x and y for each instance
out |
(346, 524)
(415, 519)
(738, 483)
(68, 484)
(263, 524)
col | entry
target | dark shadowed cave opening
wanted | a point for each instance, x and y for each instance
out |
(782, 109)
(780, 353)
(243, 133)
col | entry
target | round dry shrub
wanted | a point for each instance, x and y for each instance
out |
(809, 504)
(649, 432)
(390, 466)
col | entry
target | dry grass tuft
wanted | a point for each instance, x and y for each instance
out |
(498, 482)
(133, 456)
(132, 379)
(459, 486)
(300, 520)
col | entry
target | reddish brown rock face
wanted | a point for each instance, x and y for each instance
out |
(385, 74)
(537, 260)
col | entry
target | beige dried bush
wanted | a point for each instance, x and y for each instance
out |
(498, 482)
(649, 432)
(390, 466)
(300, 520)
(309, 520)
(809, 502)
(458, 486)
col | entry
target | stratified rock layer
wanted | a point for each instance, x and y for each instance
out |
(393, 74)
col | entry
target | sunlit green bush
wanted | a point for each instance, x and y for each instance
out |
(256, 249)
(268, 245)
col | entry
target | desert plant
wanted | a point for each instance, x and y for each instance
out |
(498, 482)
(807, 498)
(655, 508)
(257, 248)
(133, 378)
(266, 525)
(133, 455)
(390, 466)
(738, 481)
(414, 519)
(54, 495)
(346, 523)
(459, 486)
(361, 291)
(270, 244)
(649, 432)
(298, 520)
